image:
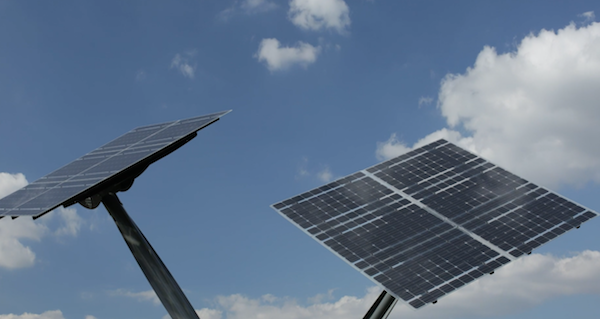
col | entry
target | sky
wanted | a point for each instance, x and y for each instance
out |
(319, 89)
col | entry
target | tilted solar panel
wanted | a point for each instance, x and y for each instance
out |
(129, 154)
(432, 220)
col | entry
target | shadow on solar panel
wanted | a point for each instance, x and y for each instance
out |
(428, 222)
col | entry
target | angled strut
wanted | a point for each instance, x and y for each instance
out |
(382, 307)
(161, 280)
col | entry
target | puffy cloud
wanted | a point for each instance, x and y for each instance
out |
(11, 182)
(13, 253)
(533, 111)
(320, 14)
(278, 58)
(540, 278)
(391, 148)
(148, 295)
(53, 314)
(182, 63)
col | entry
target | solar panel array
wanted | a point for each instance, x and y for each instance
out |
(432, 220)
(100, 165)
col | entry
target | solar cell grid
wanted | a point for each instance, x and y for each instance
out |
(99, 165)
(432, 220)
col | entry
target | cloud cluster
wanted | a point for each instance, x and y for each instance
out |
(320, 14)
(312, 15)
(539, 277)
(278, 58)
(534, 111)
(13, 253)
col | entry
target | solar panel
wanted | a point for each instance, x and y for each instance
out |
(430, 221)
(129, 154)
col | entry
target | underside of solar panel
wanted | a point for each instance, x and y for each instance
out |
(430, 221)
(118, 161)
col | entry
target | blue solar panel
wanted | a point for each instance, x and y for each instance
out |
(134, 150)
(432, 220)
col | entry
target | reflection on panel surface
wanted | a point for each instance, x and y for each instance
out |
(432, 220)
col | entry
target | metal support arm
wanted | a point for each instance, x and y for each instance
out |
(382, 307)
(161, 280)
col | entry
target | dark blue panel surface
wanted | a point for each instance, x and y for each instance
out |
(100, 165)
(432, 220)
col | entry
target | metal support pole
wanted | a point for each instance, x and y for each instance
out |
(382, 307)
(161, 280)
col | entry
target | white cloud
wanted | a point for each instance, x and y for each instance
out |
(182, 63)
(533, 111)
(539, 278)
(90, 317)
(278, 58)
(320, 14)
(391, 148)
(71, 222)
(148, 295)
(53, 314)
(325, 175)
(13, 253)
(11, 182)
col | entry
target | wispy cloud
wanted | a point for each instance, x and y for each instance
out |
(588, 16)
(183, 63)
(425, 100)
(140, 75)
(322, 174)
(148, 295)
(247, 7)
(325, 175)
(53, 314)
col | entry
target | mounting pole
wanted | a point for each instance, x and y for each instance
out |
(382, 307)
(161, 280)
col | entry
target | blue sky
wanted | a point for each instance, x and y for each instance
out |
(319, 90)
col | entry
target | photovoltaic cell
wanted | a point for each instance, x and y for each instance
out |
(432, 220)
(137, 147)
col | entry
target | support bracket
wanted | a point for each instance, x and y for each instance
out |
(161, 280)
